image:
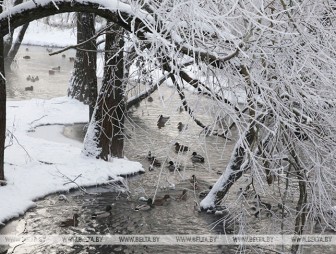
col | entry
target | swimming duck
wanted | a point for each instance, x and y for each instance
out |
(26, 57)
(161, 201)
(181, 126)
(172, 166)
(29, 88)
(162, 121)
(71, 59)
(181, 148)
(150, 99)
(183, 196)
(49, 50)
(51, 72)
(153, 160)
(28, 78)
(37, 78)
(58, 68)
(103, 214)
(146, 206)
(193, 182)
(63, 56)
(70, 222)
(197, 158)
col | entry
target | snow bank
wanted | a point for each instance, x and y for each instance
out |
(28, 176)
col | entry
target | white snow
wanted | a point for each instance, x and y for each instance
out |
(40, 34)
(29, 179)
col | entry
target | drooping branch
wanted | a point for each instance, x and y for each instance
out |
(99, 33)
(131, 102)
(139, 23)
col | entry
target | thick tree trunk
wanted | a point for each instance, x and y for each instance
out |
(105, 134)
(83, 83)
(2, 107)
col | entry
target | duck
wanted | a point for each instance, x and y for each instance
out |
(29, 88)
(49, 50)
(37, 78)
(28, 78)
(197, 158)
(70, 222)
(71, 59)
(150, 99)
(181, 126)
(145, 207)
(193, 182)
(63, 56)
(103, 214)
(26, 57)
(183, 196)
(172, 166)
(58, 68)
(161, 201)
(181, 148)
(51, 72)
(153, 160)
(258, 203)
(162, 121)
(27, 49)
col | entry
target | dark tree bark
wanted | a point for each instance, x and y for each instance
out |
(108, 117)
(2, 107)
(11, 49)
(83, 83)
(15, 47)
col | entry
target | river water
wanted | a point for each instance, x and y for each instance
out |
(142, 135)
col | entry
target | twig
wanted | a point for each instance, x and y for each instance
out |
(38, 119)
(19, 144)
(82, 43)
(73, 181)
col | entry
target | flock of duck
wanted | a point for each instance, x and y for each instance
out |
(150, 203)
(154, 162)
(52, 71)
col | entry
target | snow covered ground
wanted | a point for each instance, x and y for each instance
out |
(35, 167)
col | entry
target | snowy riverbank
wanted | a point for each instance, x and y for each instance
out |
(34, 167)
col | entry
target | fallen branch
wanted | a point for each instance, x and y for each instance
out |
(13, 136)
(73, 181)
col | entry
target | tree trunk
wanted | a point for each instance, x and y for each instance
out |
(105, 134)
(15, 47)
(237, 166)
(2, 107)
(83, 83)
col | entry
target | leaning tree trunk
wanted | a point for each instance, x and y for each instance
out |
(10, 49)
(16, 45)
(2, 107)
(236, 168)
(83, 83)
(105, 133)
